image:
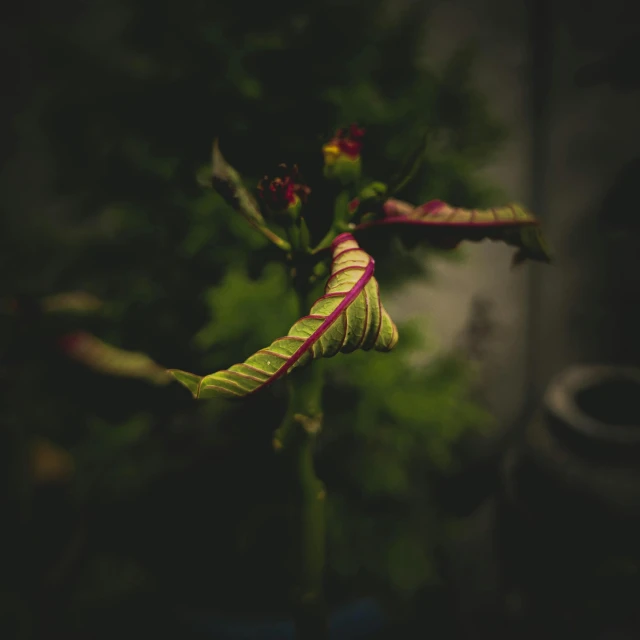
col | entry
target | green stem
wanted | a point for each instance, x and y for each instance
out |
(325, 243)
(270, 235)
(295, 440)
(340, 221)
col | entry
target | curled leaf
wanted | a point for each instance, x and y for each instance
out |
(347, 317)
(445, 226)
(104, 358)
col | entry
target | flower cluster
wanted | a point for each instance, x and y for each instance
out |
(342, 155)
(346, 144)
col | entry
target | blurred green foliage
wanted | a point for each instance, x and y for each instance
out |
(391, 427)
(120, 103)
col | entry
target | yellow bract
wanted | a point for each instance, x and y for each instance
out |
(331, 153)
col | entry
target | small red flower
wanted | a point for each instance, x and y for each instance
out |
(283, 191)
(350, 142)
(344, 148)
(346, 143)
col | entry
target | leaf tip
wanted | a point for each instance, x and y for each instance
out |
(217, 159)
(188, 380)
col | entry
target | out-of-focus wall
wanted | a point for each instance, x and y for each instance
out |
(586, 306)
(499, 30)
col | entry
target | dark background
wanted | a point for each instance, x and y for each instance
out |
(109, 110)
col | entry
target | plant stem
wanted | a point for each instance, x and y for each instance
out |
(340, 221)
(295, 440)
(270, 235)
(325, 243)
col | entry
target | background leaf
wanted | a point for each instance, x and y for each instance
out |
(445, 226)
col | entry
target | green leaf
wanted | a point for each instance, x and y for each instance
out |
(347, 317)
(189, 380)
(70, 302)
(228, 183)
(104, 358)
(445, 226)
(79, 302)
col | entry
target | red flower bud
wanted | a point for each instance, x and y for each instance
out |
(283, 192)
(350, 143)
(345, 143)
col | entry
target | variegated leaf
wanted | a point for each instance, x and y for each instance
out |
(347, 317)
(446, 226)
